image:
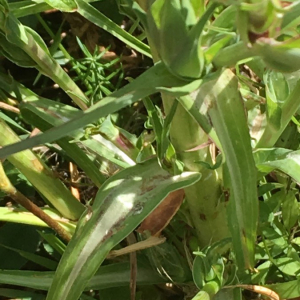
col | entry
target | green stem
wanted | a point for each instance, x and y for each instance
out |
(208, 215)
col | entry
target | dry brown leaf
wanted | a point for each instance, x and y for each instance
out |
(163, 214)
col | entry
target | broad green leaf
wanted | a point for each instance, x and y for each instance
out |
(220, 99)
(194, 109)
(177, 38)
(287, 265)
(158, 78)
(121, 204)
(201, 267)
(279, 56)
(232, 54)
(15, 54)
(284, 160)
(286, 290)
(212, 51)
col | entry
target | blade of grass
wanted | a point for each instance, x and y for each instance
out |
(157, 78)
(19, 215)
(113, 275)
(7, 187)
(45, 114)
(42, 178)
(96, 17)
(27, 43)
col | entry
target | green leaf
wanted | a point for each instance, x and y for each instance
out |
(276, 92)
(200, 271)
(121, 204)
(158, 78)
(287, 265)
(172, 28)
(201, 296)
(220, 99)
(63, 5)
(27, 7)
(22, 216)
(286, 290)
(96, 17)
(21, 295)
(169, 263)
(42, 177)
(109, 276)
(290, 210)
(15, 54)
(40, 260)
(18, 236)
(285, 160)
(45, 114)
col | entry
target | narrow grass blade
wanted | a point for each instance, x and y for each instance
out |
(30, 47)
(96, 17)
(39, 260)
(45, 114)
(156, 79)
(22, 216)
(20, 295)
(121, 204)
(42, 177)
(28, 7)
(113, 275)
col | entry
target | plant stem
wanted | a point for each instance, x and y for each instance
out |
(208, 214)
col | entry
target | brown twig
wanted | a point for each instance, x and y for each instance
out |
(257, 289)
(9, 107)
(7, 187)
(148, 243)
(133, 266)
